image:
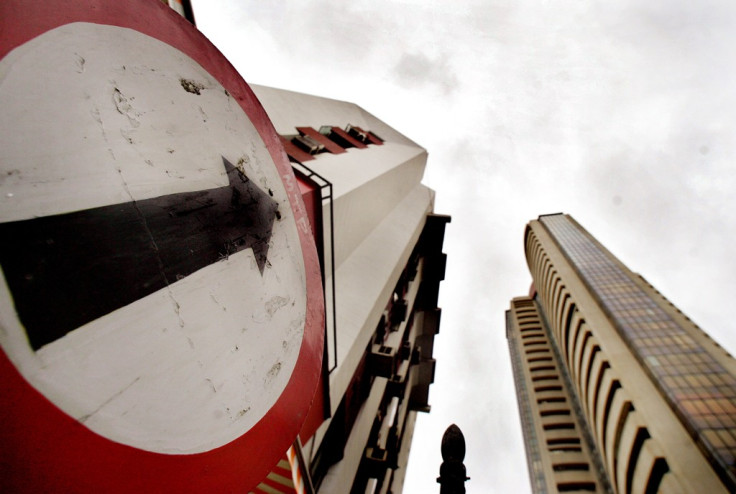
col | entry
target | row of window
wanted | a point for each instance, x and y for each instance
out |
(534, 460)
(609, 411)
(650, 331)
(559, 431)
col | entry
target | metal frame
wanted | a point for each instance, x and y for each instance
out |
(326, 196)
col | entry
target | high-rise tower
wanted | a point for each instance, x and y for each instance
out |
(618, 390)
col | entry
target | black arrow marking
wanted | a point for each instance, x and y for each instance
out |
(67, 270)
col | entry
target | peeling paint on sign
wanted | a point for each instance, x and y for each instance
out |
(133, 177)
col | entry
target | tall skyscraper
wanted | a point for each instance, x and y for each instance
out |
(618, 390)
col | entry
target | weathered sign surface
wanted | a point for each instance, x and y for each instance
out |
(160, 307)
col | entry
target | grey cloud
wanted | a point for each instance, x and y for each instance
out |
(418, 70)
(620, 114)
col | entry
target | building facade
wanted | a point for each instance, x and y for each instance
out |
(380, 244)
(618, 390)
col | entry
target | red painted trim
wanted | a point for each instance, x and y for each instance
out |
(294, 152)
(316, 414)
(45, 450)
(349, 138)
(329, 144)
(275, 484)
(312, 197)
(373, 138)
(284, 472)
(311, 194)
(278, 487)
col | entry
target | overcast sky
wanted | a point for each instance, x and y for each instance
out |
(622, 114)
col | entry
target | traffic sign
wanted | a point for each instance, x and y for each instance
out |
(161, 310)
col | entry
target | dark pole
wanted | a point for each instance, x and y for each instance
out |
(452, 471)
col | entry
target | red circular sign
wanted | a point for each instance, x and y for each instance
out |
(160, 137)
